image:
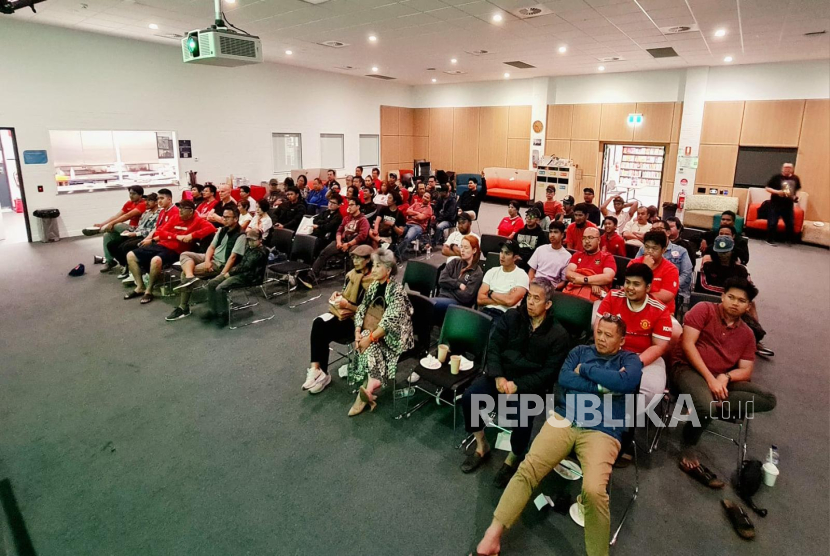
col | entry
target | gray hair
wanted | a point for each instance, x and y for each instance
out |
(386, 258)
(546, 286)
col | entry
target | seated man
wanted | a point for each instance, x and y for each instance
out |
(574, 231)
(591, 271)
(714, 366)
(289, 214)
(317, 201)
(418, 218)
(390, 223)
(226, 201)
(675, 226)
(567, 214)
(504, 286)
(728, 219)
(591, 210)
(463, 228)
(666, 276)
(636, 228)
(740, 251)
(526, 350)
(552, 207)
(530, 237)
(446, 214)
(587, 371)
(470, 200)
(550, 261)
(678, 256)
(112, 227)
(167, 212)
(648, 328)
(611, 241)
(325, 224)
(247, 204)
(623, 212)
(163, 247)
(249, 271)
(209, 201)
(227, 247)
(353, 231)
(130, 238)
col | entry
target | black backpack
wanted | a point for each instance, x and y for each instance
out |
(749, 481)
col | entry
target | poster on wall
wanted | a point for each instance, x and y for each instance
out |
(164, 144)
(184, 149)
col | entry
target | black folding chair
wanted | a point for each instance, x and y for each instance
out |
(490, 243)
(492, 261)
(622, 264)
(298, 263)
(631, 250)
(421, 277)
(575, 315)
(234, 306)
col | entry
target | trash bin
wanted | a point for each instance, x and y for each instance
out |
(669, 210)
(48, 224)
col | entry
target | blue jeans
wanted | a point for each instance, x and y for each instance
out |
(441, 305)
(439, 231)
(412, 232)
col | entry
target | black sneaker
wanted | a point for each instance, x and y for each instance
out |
(473, 461)
(178, 313)
(504, 475)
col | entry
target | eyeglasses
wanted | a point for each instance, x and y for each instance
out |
(611, 318)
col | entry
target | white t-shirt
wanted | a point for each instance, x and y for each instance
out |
(263, 224)
(245, 217)
(456, 237)
(623, 218)
(550, 263)
(500, 281)
(634, 226)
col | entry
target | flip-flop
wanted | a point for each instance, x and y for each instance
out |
(701, 474)
(739, 519)
(148, 297)
(133, 294)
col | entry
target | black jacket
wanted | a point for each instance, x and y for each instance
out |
(289, 215)
(447, 211)
(531, 359)
(470, 201)
(328, 222)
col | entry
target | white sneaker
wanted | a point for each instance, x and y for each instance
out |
(311, 377)
(320, 384)
(128, 280)
(413, 378)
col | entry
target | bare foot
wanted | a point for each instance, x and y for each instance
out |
(689, 462)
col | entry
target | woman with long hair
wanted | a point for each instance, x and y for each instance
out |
(462, 276)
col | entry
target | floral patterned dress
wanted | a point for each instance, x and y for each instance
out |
(380, 360)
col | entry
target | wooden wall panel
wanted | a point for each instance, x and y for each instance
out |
(741, 194)
(389, 149)
(614, 122)
(586, 181)
(406, 121)
(666, 193)
(558, 147)
(676, 121)
(585, 155)
(722, 123)
(492, 149)
(518, 153)
(389, 120)
(657, 122)
(386, 168)
(772, 123)
(420, 122)
(406, 152)
(518, 122)
(812, 164)
(465, 140)
(560, 117)
(670, 163)
(717, 165)
(420, 148)
(585, 122)
(440, 138)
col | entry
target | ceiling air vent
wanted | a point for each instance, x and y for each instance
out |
(347, 68)
(667, 52)
(454, 72)
(172, 36)
(815, 33)
(430, 69)
(376, 76)
(520, 65)
(333, 44)
(679, 29)
(477, 52)
(531, 11)
(612, 59)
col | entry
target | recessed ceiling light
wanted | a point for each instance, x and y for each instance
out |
(434, 80)
(563, 49)
(720, 33)
(230, 1)
(497, 18)
(372, 38)
(454, 61)
(289, 52)
(727, 59)
(601, 68)
(506, 75)
(153, 26)
(375, 69)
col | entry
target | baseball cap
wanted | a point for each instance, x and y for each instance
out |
(723, 244)
(510, 245)
(533, 212)
(361, 251)
(569, 200)
(464, 216)
(77, 271)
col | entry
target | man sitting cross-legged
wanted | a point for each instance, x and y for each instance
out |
(588, 370)
(504, 286)
(129, 239)
(714, 366)
(353, 231)
(526, 351)
(227, 246)
(551, 261)
(163, 247)
(123, 220)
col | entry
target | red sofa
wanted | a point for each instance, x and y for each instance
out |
(757, 195)
(510, 183)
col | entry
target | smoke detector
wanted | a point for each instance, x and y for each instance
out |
(679, 29)
(333, 44)
(531, 11)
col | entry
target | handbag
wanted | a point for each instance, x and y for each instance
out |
(749, 481)
(374, 314)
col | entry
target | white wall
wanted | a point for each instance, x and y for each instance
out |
(509, 92)
(644, 86)
(787, 80)
(57, 78)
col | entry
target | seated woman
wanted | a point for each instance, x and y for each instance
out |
(383, 330)
(261, 221)
(390, 223)
(512, 223)
(302, 185)
(338, 324)
(460, 279)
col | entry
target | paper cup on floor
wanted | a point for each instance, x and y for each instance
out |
(443, 350)
(577, 512)
(455, 364)
(770, 474)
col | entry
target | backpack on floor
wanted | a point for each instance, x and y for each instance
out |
(749, 481)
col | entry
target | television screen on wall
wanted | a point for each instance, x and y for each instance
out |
(756, 165)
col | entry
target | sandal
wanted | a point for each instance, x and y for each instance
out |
(133, 294)
(148, 297)
(740, 520)
(701, 474)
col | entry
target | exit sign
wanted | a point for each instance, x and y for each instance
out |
(635, 119)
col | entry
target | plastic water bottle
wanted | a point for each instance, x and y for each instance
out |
(772, 457)
(429, 249)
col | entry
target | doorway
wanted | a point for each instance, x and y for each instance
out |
(634, 172)
(14, 219)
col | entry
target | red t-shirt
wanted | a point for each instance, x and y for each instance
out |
(652, 320)
(592, 265)
(553, 208)
(141, 206)
(206, 208)
(666, 277)
(615, 245)
(573, 235)
(720, 347)
(509, 226)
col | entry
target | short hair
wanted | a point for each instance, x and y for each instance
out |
(292, 189)
(445, 188)
(729, 213)
(373, 170)
(198, 186)
(386, 258)
(557, 225)
(210, 187)
(612, 219)
(616, 321)
(153, 197)
(475, 181)
(396, 197)
(660, 238)
(676, 221)
(742, 284)
(640, 270)
(167, 192)
(581, 207)
(332, 171)
(588, 190)
(546, 285)
(359, 167)
(246, 189)
(263, 204)
(618, 198)
(233, 208)
(336, 197)
(137, 189)
(288, 182)
(731, 229)
(393, 175)
(358, 179)
(355, 200)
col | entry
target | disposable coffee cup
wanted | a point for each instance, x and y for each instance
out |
(455, 364)
(443, 350)
(770, 474)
